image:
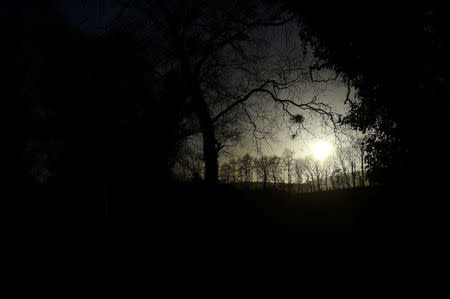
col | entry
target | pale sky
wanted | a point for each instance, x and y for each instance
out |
(92, 15)
(302, 145)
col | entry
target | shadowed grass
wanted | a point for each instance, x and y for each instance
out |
(222, 238)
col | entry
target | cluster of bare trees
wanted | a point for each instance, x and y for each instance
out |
(344, 168)
(251, 169)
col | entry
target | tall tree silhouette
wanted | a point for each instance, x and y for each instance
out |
(396, 57)
(262, 168)
(216, 48)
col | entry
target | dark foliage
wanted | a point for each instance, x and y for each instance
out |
(396, 56)
(91, 133)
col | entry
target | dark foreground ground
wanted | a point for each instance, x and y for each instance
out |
(190, 238)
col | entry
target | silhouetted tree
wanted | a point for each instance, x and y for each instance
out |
(275, 169)
(230, 171)
(342, 155)
(216, 48)
(226, 173)
(317, 171)
(298, 173)
(262, 168)
(328, 166)
(288, 161)
(360, 150)
(335, 178)
(246, 168)
(395, 65)
(309, 173)
(190, 165)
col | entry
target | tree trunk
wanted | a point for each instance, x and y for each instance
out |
(346, 180)
(362, 170)
(210, 153)
(353, 174)
(265, 181)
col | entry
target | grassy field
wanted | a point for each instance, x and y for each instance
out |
(192, 237)
(350, 239)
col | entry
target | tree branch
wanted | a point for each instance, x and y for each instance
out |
(241, 100)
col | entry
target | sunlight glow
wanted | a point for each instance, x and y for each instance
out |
(321, 150)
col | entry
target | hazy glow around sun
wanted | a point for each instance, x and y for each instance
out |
(321, 149)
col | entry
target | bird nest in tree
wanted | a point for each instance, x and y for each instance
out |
(298, 118)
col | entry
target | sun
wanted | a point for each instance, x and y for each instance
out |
(321, 149)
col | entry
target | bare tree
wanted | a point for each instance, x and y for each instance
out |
(348, 160)
(228, 171)
(355, 154)
(275, 169)
(317, 172)
(309, 173)
(330, 170)
(327, 168)
(360, 150)
(342, 157)
(216, 47)
(335, 178)
(234, 165)
(262, 168)
(189, 164)
(298, 174)
(288, 163)
(246, 168)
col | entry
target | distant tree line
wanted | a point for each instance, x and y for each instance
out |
(342, 169)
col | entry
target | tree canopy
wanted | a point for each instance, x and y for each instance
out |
(396, 59)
